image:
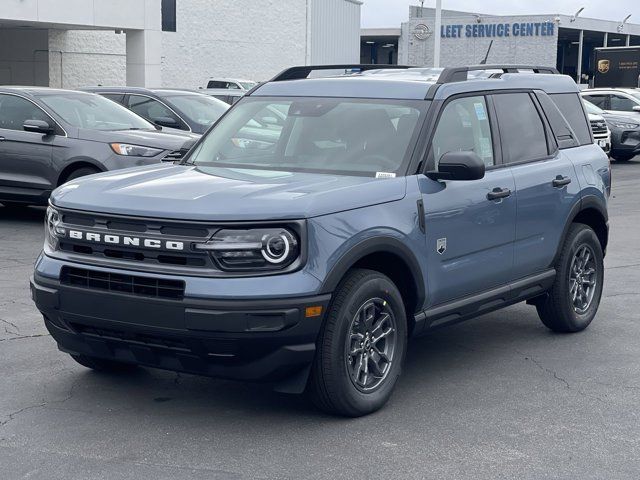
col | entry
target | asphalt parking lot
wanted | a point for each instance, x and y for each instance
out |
(497, 397)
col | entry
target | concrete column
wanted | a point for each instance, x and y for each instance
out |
(438, 27)
(144, 58)
(144, 49)
(580, 47)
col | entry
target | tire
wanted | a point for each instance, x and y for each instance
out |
(622, 158)
(361, 294)
(559, 311)
(102, 365)
(80, 172)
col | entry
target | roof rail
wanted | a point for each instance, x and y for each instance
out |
(459, 74)
(300, 72)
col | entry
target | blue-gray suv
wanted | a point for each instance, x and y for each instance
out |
(305, 250)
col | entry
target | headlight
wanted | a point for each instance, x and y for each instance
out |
(134, 150)
(53, 230)
(626, 126)
(255, 249)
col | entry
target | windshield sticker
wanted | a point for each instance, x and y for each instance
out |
(385, 175)
(480, 112)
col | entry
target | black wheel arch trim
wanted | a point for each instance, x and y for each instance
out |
(586, 202)
(76, 163)
(380, 244)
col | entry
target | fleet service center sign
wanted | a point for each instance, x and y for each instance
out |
(496, 30)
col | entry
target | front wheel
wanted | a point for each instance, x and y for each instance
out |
(362, 345)
(573, 301)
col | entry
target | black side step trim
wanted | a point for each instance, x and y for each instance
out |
(485, 302)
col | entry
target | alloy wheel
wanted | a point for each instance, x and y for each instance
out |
(371, 344)
(583, 279)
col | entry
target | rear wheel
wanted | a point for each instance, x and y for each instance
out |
(361, 347)
(573, 301)
(102, 365)
(622, 158)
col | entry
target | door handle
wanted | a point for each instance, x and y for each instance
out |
(1, 139)
(498, 193)
(561, 181)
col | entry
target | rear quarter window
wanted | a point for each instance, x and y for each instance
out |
(570, 105)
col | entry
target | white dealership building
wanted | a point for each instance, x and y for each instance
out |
(171, 43)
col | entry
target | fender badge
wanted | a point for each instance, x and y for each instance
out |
(441, 245)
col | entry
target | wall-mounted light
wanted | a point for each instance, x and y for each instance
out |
(576, 15)
(621, 26)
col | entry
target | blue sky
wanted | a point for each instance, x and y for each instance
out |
(390, 13)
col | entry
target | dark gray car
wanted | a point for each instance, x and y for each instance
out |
(50, 136)
(181, 109)
(625, 133)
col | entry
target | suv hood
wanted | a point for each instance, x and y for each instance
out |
(611, 117)
(146, 138)
(186, 192)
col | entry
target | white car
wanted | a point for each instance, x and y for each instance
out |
(620, 101)
(601, 132)
(229, 90)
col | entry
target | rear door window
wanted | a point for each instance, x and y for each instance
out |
(116, 97)
(570, 105)
(153, 110)
(522, 130)
(620, 103)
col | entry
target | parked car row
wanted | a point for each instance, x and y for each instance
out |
(50, 136)
(620, 109)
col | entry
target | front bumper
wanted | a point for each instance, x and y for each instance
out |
(257, 340)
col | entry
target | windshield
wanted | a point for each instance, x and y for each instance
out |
(347, 136)
(592, 109)
(84, 110)
(201, 109)
(248, 85)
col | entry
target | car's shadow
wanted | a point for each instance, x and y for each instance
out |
(22, 214)
(431, 360)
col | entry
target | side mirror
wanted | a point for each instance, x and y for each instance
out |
(459, 166)
(165, 121)
(636, 108)
(38, 126)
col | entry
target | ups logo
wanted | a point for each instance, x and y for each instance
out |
(603, 66)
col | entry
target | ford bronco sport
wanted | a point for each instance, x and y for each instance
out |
(386, 204)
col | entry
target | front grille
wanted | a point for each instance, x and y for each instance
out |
(210, 348)
(119, 283)
(132, 337)
(187, 233)
(598, 127)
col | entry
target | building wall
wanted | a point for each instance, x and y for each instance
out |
(229, 38)
(233, 38)
(335, 32)
(23, 57)
(80, 58)
(535, 50)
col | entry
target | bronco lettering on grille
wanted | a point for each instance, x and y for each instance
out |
(125, 241)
